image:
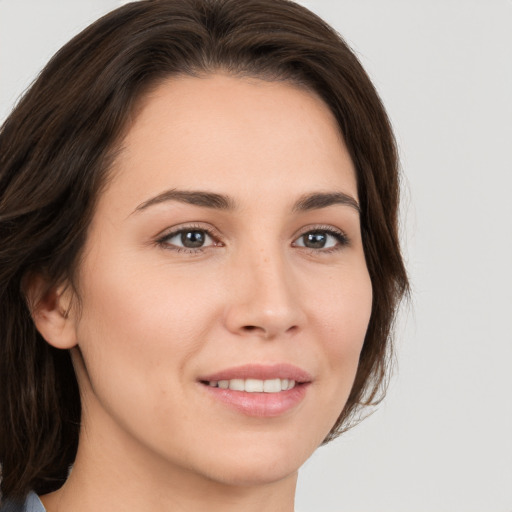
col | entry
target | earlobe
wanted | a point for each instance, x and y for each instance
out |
(51, 311)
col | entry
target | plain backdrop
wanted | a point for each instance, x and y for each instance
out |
(442, 440)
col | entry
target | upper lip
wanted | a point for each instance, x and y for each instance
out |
(262, 372)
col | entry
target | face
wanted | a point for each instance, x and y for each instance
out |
(224, 291)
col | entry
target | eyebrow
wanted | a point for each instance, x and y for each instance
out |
(319, 200)
(307, 202)
(195, 197)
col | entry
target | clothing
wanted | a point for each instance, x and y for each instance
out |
(32, 504)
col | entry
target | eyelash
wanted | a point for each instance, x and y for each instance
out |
(339, 235)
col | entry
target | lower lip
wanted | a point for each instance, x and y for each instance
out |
(265, 405)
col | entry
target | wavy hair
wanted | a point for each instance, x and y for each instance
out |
(56, 150)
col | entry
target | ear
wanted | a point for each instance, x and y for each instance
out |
(52, 311)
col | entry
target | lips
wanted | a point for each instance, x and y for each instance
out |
(258, 390)
(261, 372)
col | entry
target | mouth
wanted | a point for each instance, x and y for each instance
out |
(253, 385)
(258, 390)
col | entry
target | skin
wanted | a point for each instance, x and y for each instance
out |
(153, 319)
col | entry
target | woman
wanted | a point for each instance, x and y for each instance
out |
(199, 261)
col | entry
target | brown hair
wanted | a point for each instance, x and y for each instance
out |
(55, 152)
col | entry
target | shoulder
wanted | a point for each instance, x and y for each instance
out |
(31, 504)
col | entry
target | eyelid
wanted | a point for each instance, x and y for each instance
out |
(319, 227)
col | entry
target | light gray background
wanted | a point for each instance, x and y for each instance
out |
(442, 441)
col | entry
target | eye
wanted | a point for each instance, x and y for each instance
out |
(187, 239)
(323, 239)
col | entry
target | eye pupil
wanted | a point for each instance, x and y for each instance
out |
(315, 240)
(193, 239)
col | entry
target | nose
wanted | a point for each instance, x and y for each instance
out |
(265, 298)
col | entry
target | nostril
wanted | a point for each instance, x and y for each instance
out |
(250, 327)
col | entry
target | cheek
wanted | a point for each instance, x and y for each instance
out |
(137, 333)
(345, 311)
(138, 320)
(343, 318)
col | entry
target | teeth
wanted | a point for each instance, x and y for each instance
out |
(272, 386)
(254, 385)
(237, 384)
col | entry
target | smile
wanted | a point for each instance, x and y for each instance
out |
(254, 385)
(258, 390)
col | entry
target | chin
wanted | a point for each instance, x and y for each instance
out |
(258, 462)
(254, 473)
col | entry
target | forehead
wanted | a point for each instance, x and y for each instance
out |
(233, 136)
